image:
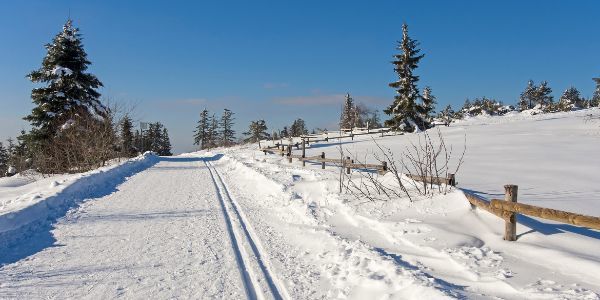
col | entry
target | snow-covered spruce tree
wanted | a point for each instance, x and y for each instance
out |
(542, 95)
(595, 102)
(257, 130)
(446, 115)
(285, 132)
(404, 110)
(427, 109)
(201, 133)
(164, 143)
(527, 97)
(347, 119)
(3, 160)
(227, 132)
(298, 128)
(68, 91)
(570, 99)
(212, 135)
(127, 141)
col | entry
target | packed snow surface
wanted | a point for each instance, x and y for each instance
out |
(235, 223)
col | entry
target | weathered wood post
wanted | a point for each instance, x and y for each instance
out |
(381, 132)
(451, 179)
(289, 153)
(282, 150)
(303, 152)
(510, 225)
(384, 168)
(347, 162)
(323, 162)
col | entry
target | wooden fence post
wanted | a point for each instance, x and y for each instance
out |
(381, 132)
(451, 179)
(303, 152)
(347, 162)
(289, 153)
(510, 225)
(384, 167)
(282, 149)
(323, 162)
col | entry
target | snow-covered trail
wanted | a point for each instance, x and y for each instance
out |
(161, 235)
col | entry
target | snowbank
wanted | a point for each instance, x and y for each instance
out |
(29, 204)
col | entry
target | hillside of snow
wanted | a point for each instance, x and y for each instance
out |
(235, 223)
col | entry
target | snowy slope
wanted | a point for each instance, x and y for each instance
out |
(236, 223)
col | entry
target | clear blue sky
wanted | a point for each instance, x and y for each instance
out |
(278, 60)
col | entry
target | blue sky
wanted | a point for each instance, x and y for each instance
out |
(281, 60)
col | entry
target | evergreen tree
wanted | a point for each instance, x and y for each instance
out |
(373, 120)
(284, 133)
(165, 143)
(447, 115)
(257, 130)
(213, 133)
(596, 97)
(404, 110)
(227, 133)
(127, 139)
(3, 160)
(298, 128)
(542, 96)
(275, 135)
(347, 119)
(527, 97)
(69, 91)
(428, 107)
(201, 133)
(570, 99)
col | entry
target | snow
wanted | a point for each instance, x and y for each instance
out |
(61, 71)
(235, 223)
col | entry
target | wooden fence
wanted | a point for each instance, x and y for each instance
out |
(347, 163)
(506, 209)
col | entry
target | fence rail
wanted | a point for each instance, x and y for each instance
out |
(508, 209)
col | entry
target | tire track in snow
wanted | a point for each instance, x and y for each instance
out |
(232, 212)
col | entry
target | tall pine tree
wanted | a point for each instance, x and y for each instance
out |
(404, 111)
(213, 133)
(257, 131)
(165, 143)
(347, 119)
(68, 91)
(127, 141)
(201, 136)
(596, 97)
(542, 95)
(527, 97)
(227, 132)
(3, 160)
(427, 109)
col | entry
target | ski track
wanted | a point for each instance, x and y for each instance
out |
(233, 214)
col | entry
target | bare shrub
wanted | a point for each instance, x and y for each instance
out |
(422, 170)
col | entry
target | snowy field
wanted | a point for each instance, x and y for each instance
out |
(235, 223)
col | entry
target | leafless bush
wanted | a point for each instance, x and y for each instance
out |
(83, 143)
(422, 169)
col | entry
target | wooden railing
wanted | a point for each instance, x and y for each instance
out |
(508, 209)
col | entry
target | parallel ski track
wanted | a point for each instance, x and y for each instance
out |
(232, 211)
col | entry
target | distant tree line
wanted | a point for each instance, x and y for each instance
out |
(212, 132)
